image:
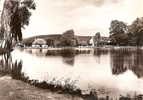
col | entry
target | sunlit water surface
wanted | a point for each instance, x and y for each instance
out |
(110, 72)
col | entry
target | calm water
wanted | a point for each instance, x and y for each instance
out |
(109, 71)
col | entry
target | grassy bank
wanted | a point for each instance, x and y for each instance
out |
(17, 90)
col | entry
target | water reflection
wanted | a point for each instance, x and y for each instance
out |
(120, 71)
(68, 55)
(126, 59)
(101, 51)
(121, 60)
(98, 52)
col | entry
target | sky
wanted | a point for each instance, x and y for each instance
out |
(86, 17)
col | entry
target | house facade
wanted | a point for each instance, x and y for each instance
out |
(83, 40)
(39, 42)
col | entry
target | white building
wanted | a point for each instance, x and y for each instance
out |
(92, 41)
(39, 43)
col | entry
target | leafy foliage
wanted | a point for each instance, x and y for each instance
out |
(21, 17)
(136, 31)
(118, 27)
(97, 38)
(118, 32)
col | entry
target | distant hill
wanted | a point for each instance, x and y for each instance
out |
(56, 37)
(68, 38)
(29, 41)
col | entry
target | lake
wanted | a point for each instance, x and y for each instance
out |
(109, 71)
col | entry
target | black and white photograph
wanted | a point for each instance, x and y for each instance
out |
(71, 49)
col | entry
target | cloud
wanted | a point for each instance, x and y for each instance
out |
(97, 3)
(84, 16)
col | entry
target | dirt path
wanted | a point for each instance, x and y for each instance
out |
(17, 90)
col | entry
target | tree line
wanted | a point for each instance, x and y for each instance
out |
(122, 34)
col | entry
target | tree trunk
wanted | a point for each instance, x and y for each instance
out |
(8, 10)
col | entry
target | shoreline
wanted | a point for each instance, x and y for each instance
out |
(13, 89)
(83, 47)
(18, 90)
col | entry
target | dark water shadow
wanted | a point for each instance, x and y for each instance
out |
(101, 51)
(68, 55)
(98, 52)
(127, 59)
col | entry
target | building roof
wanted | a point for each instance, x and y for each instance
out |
(83, 38)
(39, 42)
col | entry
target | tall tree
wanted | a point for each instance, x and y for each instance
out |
(97, 39)
(68, 38)
(15, 15)
(136, 31)
(118, 32)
